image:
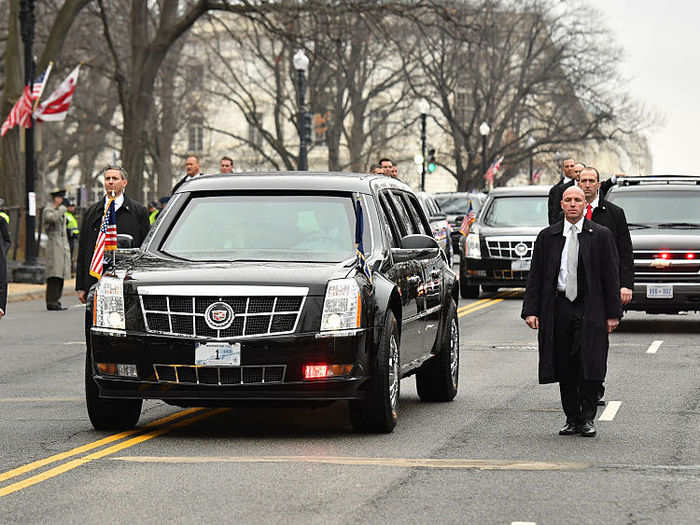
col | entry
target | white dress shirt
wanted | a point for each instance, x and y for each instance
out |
(118, 201)
(561, 281)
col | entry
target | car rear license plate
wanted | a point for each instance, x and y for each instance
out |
(217, 354)
(520, 265)
(659, 291)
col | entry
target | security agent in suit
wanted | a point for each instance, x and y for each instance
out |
(192, 169)
(3, 272)
(573, 300)
(572, 171)
(132, 219)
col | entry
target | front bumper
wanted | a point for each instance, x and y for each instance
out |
(491, 272)
(157, 358)
(686, 297)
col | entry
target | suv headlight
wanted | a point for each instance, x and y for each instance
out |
(342, 305)
(473, 243)
(109, 303)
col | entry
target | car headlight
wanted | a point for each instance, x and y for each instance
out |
(342, 305)
(109, 304)
(473, 243)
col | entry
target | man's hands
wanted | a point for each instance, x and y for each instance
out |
(82, 296)
(533, 321)
(625, 295)
(612, 324)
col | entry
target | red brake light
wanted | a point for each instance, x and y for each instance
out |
(690, 256)
(663, 255)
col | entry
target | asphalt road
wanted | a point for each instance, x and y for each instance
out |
(491, 456)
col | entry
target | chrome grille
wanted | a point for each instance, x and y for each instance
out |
(262, 312)
(219, 375)
(677, 269)
(504, 247)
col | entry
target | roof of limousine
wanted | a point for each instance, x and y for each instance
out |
(292, 180)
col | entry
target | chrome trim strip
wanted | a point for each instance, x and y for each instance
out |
(340, 333)
(638, 286)
(108, 331)
(222, 290)
(510, 238)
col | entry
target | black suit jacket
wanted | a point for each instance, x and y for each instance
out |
(613, 217)
(557, 191)
(601, 295)
(183, 180)
(132, 218)
(3, 272)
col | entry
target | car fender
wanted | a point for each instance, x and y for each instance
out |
(387, 298)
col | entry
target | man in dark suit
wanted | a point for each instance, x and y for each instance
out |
(573, 300)
(3, 269)
(192, 170)
(132, 218)
(556, 191)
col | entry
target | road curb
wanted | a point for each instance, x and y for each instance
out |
(26, 296)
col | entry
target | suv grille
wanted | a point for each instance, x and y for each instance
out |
(649, 268)
(219, 375)
(253, 315)
(505, 247)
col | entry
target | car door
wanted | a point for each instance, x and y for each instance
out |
(432, 274)
(408, 275)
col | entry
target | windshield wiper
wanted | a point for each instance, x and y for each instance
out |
(681, 225)
(637, 225)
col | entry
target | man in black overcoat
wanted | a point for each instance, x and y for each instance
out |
(3, 269)
(132, 218)
(556, 191)
(573, 300)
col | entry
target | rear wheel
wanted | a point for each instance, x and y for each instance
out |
(108, 414)
(438, 378)
(378, 412)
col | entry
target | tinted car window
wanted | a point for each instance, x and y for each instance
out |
(317, 228)
(391, 220)
(457, 204)
(658, 207)
(414, 211)
(402, 214)
(517, 211)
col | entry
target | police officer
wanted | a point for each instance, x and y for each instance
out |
(71, 225)
(153, 211)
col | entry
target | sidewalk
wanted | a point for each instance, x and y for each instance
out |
(28, 292)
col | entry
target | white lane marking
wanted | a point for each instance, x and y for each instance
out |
(74, 342)
(523, 523)
(653, 347)
(611, 408)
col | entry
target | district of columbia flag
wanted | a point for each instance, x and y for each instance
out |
(493, 169)
(106, 240)
(55, 107)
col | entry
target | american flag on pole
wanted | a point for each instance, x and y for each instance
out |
(55, 108)
(468, 220)
(40, 83)
(21, 113)
(106, 240)
(493, 169)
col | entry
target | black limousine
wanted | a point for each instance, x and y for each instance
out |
(292, 287)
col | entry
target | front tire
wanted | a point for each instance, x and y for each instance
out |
(438, 378)
(108, 414)
(378, 411)
(468, 291)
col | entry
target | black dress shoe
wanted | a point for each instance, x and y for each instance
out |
(569, 429)
(588, 429)
(601, 403)
(56, 307)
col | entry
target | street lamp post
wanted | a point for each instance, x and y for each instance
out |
(423, 107)
(484, 130)
(30, 271)
(530, 144)
(301, 64)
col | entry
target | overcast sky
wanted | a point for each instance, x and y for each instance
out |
(662, 59)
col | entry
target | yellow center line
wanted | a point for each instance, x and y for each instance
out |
(89, 446)
(479, 307)
(70, 465)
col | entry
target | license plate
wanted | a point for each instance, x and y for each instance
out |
(659, 291)
(520, 265)
(217, 354)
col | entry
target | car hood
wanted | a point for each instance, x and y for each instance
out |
(149, 271)
(491, 231)
(665, 239)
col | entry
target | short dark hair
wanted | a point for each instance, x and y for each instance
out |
(591, 168)
(228, 159)
(385, 159)
(115, 167)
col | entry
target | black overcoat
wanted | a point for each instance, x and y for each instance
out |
(613, 217)
(132, 218)
(598, 253)
(3, 268)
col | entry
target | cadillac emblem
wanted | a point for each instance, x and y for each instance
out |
(520, 249)
(219, 316)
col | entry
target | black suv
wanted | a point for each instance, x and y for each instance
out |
(663, 213)
(277, 288)
(456, 205)
(498, 249)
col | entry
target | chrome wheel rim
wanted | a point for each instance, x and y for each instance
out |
(454, 352)
(393, 372)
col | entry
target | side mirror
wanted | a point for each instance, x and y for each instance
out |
(419, 242)
(124, 241)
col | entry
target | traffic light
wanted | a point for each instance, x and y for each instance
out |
(306, 127)
(431, 160)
